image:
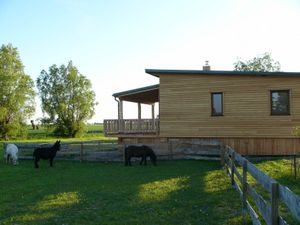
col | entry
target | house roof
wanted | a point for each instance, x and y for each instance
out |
(159, 72)
(150, 94)
(146, 95)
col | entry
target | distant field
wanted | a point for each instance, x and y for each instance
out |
(94, 132)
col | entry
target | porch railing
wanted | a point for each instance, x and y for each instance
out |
(131, 126)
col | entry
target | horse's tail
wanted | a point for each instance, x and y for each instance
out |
(153, 157)
(125, 156)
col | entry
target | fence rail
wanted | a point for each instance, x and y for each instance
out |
(269, 209)
(106, 150)
(110, 150)
(131, 126)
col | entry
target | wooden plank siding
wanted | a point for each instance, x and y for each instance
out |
(263, 146)
(185, 108)
(244, 146)
(247, 126)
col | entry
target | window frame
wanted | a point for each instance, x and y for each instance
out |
(212, 103)
(288, 113)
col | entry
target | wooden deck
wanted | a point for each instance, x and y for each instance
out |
(131, 126)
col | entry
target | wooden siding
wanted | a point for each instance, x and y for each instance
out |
(244, 146)
(185, 107)
(264, 146)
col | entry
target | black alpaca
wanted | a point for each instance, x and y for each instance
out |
(46, 153)
(139, 151)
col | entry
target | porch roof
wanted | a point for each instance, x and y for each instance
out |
(145, 95)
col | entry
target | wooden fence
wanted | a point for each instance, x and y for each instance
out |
(269, 209)
(198, 149)
(110, 150)
(101, 150)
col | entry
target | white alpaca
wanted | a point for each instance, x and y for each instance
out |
(11, 154)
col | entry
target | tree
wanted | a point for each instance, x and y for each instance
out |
(263, 63)
(67, 98)
(16, 93)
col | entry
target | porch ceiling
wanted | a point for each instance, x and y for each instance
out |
(145, 95)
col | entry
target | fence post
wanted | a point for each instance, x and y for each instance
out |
(295, 167)
(244, 186)
(170, 147)
(222, 155)
(232, 168)
(123, 150)
(226, 157)
(4, 150)
(99, 145)
(81, 151)
(274, 204)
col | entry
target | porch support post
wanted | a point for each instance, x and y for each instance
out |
(121, 116)
(139, 116)
(153, 116)
(121, 110)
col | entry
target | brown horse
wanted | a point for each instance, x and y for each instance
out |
(139, 151)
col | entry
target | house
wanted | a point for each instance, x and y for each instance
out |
(253, 112)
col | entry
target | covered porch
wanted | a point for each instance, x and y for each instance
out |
(147, 126)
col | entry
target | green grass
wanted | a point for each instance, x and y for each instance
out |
(44, 134)
(174, 192)
(280, 170)
(177, 192)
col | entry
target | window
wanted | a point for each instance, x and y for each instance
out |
(280, 102)
(217, 104)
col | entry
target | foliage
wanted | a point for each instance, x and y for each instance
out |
(16, 93)
(296, 131)
(67, 98)
(263, 63)
(174, 192)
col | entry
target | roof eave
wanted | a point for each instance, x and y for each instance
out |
(136, 91)
(158, 72)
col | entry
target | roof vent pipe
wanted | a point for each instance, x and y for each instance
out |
(206, 67)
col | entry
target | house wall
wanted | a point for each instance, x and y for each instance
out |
(185, 106)
(247, 126)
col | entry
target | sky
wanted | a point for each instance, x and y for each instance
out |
(113, 42)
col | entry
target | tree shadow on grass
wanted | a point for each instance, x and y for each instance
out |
(176, 192)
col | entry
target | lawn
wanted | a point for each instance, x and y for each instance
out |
(282, 172)
(174, 192)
